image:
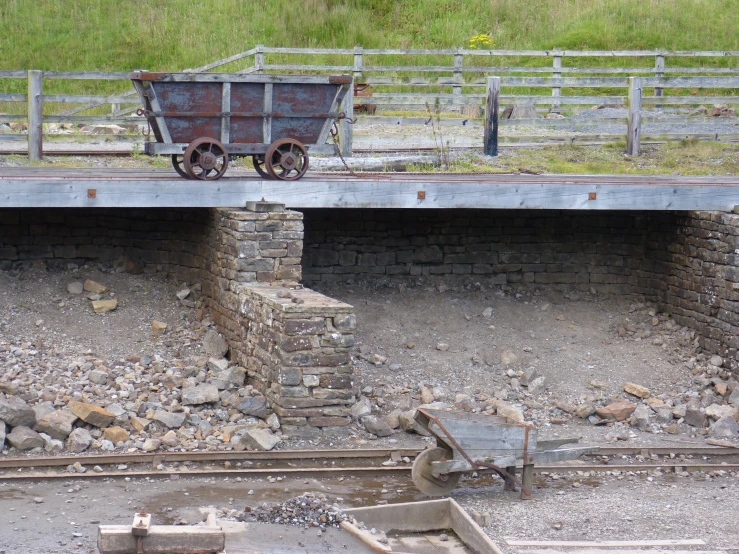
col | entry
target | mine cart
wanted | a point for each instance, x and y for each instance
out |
(475, 442)
(203, 119)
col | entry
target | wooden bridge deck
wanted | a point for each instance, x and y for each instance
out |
(71, 187)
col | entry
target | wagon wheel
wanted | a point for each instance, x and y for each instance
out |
(286, 159)
(177, 163)
(423, 477)
(206, 159)
(258, 162)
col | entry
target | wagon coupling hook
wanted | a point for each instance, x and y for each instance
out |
(140, 112)
(349, 120)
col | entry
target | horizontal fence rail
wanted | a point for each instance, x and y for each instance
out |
(454, 80)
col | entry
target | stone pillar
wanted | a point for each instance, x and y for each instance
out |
(296, 348)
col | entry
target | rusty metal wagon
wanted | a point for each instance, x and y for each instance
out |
(204, 119)
(475, 442)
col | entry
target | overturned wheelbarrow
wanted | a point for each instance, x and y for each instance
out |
(474, 442)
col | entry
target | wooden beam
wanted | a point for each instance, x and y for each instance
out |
(488, 192)
(633, 133)
(611, 544)
(491, 117)
(162, 539)
(346, 128)
(35, 114)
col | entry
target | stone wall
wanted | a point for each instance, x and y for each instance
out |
(699, 284)
(688, 263)
(294, 342)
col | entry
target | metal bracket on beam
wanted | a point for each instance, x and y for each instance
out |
(263, 206)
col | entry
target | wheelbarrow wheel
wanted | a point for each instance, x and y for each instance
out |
(178, 161)
(286, 159)
(258, 162)
(424, 478)
(205, 159)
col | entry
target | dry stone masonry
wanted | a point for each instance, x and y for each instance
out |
(686, 262)
(296, 346)
(294, 342)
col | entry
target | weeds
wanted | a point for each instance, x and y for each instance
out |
(435, 120)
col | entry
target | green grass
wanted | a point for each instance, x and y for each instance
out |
(688, 157)
(159, 35)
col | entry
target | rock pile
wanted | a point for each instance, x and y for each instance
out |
(703, 398)
(52, 401)
(307, 510)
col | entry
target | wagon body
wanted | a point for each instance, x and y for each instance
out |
(245, 114)
(475, 442)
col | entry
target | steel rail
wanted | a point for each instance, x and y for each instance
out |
(161, 457)
(328, 472)
(297, 455)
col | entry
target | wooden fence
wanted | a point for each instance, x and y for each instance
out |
(461, 79)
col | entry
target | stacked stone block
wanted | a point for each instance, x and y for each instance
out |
(297, 352)
(242, 246)
(593, 249)
(702, 285)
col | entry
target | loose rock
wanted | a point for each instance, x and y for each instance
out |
(255, 406)
(170, 419)
(202, 394)
(725, 427)
(637, 390)
(75, 288)
(58, 424)
(92, 414)
(24, 438)
(15, 412)
(79, 440)
(104, 306)
(261, 439)
(92, 286)
(214, 344)
(376, 426)
(618, 411)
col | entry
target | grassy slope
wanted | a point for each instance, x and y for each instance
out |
(112, 35)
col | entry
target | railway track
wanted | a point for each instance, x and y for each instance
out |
(327, 463)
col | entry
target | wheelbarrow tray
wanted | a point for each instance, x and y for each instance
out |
(246, 113)
(490, 439)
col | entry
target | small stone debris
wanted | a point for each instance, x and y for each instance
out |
(307, 510)
(182, 294)
(158, 327)
(261, 439)
(507, 357)
(104, 306)
(75, 288)
(376, 426)
(637, 390)
(214, 344)
(94, 287)
(90, 413)
(38, 500)
(617, 411)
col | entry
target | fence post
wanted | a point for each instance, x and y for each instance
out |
(35, 114)
(458, 76)
(346, 128)
(659, 72)
(634, 129)
(358, 61)
(491, 116)
(556, 91)
(258, 58)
